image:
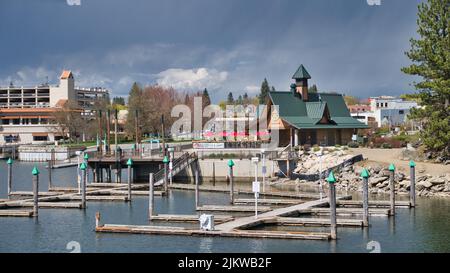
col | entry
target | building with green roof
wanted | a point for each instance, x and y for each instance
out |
(304, 118)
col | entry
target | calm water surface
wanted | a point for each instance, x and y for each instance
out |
(423, 229)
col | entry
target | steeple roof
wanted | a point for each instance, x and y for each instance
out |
(301, 73)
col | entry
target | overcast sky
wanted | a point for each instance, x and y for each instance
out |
(347, 46)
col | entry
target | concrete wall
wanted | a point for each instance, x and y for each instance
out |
(43, 153)
(243, 170)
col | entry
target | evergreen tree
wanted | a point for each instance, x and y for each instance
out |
(273, 89)
(430, 56)
(240, 100)
(245, 98)
(118, 100)
(134, 103)
(313, 89)
(230, 99)
(265, 89)
(206, 98)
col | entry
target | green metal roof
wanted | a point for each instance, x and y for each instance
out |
(307, 115)
(301, 73)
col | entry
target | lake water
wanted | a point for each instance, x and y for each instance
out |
(423, 229)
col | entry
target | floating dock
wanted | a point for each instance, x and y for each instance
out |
(374, 204)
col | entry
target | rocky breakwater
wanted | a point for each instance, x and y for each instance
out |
(426, 185)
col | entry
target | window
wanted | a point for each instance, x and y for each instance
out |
(385, 105)
(401, 112)
(378, 105)
(5, 121)
(40, 138)
(16, 121)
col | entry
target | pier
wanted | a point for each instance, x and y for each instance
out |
(243, 217)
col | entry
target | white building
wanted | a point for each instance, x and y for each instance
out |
(26, 112)
(389, 111)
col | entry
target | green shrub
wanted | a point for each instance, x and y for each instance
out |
(353, 144)
(316, 149)
(386, 146)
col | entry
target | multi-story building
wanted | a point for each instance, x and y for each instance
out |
(390, 111)
(26, 113)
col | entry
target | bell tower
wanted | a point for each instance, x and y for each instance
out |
(301, 77)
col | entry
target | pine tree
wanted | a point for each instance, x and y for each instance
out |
(245, 99)
(240, 101)
(313, 89)
(265, 89)
(230, 99)
(206, 98)
(134, 103)
(430, 55)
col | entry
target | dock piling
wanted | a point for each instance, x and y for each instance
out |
(50, 167)
(83, 184)
(9, 162)
(230, 175)
(392, 189)
(97, 219)
(165, 161)
(332, 200)
(129, 164)
(365, 180)
(412, 189)
(197, 197)
(35, 174)
(151, 197)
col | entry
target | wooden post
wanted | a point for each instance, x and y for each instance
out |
(392, 188)
(129, 164)
(116, 146)
(83, 169)
(97, 219)
(412, 188)
(230, 175)
(35, 174)
(163, 135)
(108, 133)
(165, 161)
(197, 197)
(214, 173)
(9, 162)
(50, 170)
(365, 179)
(100, 132)
(136, 125)
(151, 197)
(332, 200)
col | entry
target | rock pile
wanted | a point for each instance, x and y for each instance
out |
(311, 163)
(349, 179)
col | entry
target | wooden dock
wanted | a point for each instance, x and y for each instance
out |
(165, 230)
(314, 222)
(345, 211)
(188, 218)
(232, 208)
(250, 221)
(16, 213)
(274, 202)
(374, 204)
(208, 188)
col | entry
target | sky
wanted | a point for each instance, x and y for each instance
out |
(347, 46)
